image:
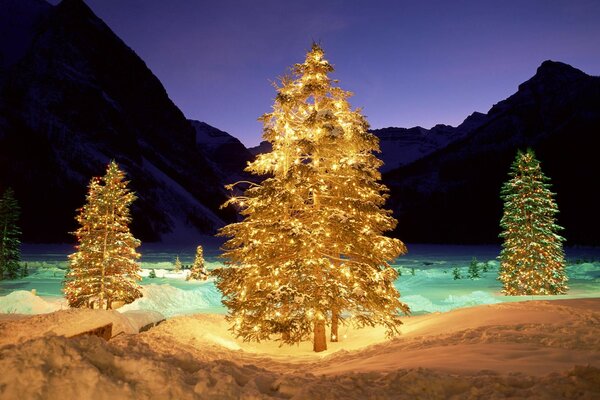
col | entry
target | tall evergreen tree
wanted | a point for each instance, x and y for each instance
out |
(532, 258)
(104, 270)
(198, 270)
(10, 244)
(311, 248)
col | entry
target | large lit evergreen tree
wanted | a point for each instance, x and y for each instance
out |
(10, 245)
(104, 270)
(532, 258)
(310, 249)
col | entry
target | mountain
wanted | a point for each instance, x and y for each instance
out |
(452, 194)
(227, 154)
(72, 97)
(263, 147)
(401, 146)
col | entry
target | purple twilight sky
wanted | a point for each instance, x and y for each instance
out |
(408, 62)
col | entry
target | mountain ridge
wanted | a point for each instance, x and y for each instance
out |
(456, 189)
(79, 97)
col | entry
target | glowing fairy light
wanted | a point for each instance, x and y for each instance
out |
(532, 257)
(319, 206)
(104, 270)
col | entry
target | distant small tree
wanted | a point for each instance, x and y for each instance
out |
(485, 267)
(10, 244)
(456, 273)
(152, 274)
(198, 270)
(473, 272)
(104, 268)
(532, 260)
(177, 265)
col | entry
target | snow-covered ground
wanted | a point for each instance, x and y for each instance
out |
(426, 283)
(519, 350)
(512, 349)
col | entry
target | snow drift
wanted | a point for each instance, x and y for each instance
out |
(535, 349)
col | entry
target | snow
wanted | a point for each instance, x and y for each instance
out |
(24, 302)
(426, 283)
(532, 349)
(420, 304)
(171, 301)
(181, 231)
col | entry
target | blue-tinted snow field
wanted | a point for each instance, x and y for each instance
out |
(427, 279)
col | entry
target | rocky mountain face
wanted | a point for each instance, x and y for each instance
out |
(72, 97)
(227, 154)
(402, 146)
(452, 194)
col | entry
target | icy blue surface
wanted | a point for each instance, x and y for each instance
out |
(426, 283)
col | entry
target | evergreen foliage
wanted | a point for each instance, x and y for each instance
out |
(10, 233)
(177, 265)
(310, 249)
(473, 271)
(456, 273)
(104, 270)
(532, 258)
(198, 270)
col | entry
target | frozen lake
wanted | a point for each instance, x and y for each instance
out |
(426, 283)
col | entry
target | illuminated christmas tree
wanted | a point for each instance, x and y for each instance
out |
(177, 264)
(10, 245)
(104, 270)
(310, 249)
(532, 258)
(198, 270)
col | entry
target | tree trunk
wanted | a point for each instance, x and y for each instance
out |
(285, 336)
(319, 340)
(335, 318)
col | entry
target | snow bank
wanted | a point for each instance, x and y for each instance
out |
(25, 302)
(421, 304)
(170, 301)
(535, 349)
(66, 323)
(165, 273)
(143, 320)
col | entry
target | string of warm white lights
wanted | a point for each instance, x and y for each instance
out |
(104, 270)
(532, 258)
(310, 250)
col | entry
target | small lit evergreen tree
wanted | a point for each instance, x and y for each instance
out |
(104, 268)
(311, 247)
(10, 244)
(532, 258)
(198, 270)
(177, 264)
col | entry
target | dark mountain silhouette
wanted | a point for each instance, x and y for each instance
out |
(226, 153)
(452, 195)
(73, 96)
(402, 146)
